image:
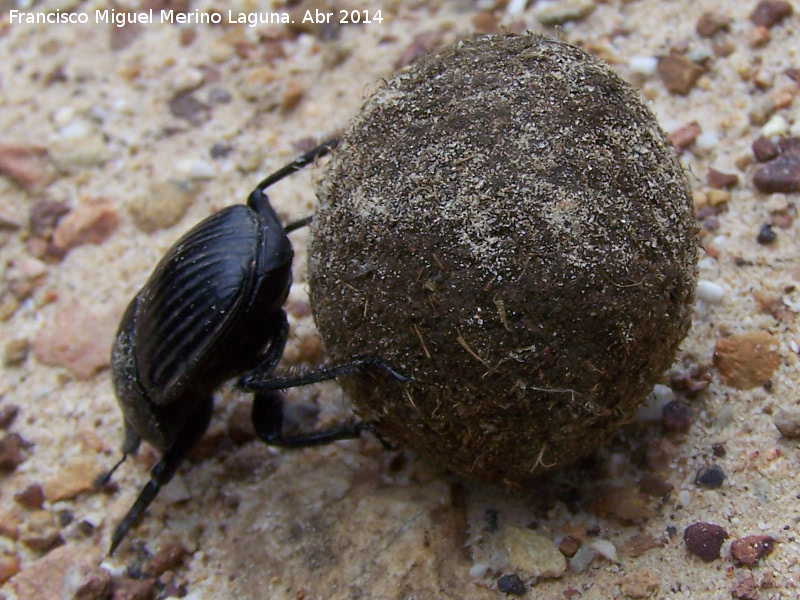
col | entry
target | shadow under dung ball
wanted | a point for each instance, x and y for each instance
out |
(506, 224)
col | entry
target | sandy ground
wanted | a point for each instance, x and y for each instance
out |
(157, 124)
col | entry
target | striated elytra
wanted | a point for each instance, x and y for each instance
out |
(505, 223)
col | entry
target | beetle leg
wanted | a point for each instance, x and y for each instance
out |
(130, 445)
(297, 164)
(164, 469)
(268, 420)
(259, 380)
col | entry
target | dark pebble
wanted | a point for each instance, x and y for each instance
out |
(717, 179)
(718, 450)
(12, 448)
(511, 584)
(132, 589)
(790, 144)
(704, 540)
(186, 106)
(771, 12)
(710, 477)
(747, 550)
(765, 235)
(220, 150)
(679, 73)
(712, 22)
(168, 558)
(7, 415)
(781, 174)
(44, 217)
(31, 497)
(677, 416)
(64, 517)
(746, 588)
(764, 149)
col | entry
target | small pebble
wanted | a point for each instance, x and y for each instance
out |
(292, 96)
(641, 584)
(781, 174)
(718, 450)
(776, 125)
(679, 73)
(711, 477)
(125, 588)
(27, 166)
(712, 22)
(561, 11)
(15, 352)
(8, 414)
(747, 360)
(9, 566)
(704, 540)
(78, 339)
(569, 546)
(683, 137)
(761, 111)
(39, 531)
(764, 149)
(719, 180)
(74, 477)
(710, 292)
(747, 550)
(745, 588)
(12, 452)
(31, 497)
(771, 12)
(44, 579)
(90, 223)
(766, 235)
(643, 65)
(677, 417)
(532, 554)
(85, 582)
(185, 105)
(162, 205)
(74, 153)
(511, 584)
(168, 558)
(787, 420)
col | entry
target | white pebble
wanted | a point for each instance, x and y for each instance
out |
(515, 7)
(777, 125)
(582, 559)
(653, 407)
(189, 79)
(685, 498)
(605, 549)
(710, 292)
(707, 140)
(478, 570)
(643, 65)
(195, 168)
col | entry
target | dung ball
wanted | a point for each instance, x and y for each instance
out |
(506, 224)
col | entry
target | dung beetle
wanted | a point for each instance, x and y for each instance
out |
(212, 311)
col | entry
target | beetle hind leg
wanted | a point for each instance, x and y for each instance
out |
(268, 422)
(164, 469)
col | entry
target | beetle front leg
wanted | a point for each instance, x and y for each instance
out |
(268, 422)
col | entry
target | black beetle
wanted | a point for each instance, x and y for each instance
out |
(211, 311)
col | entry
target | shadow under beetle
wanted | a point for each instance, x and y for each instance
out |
(212, 311)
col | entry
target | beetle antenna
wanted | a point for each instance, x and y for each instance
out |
(104, 478)
(297, 164)
(297, 225)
